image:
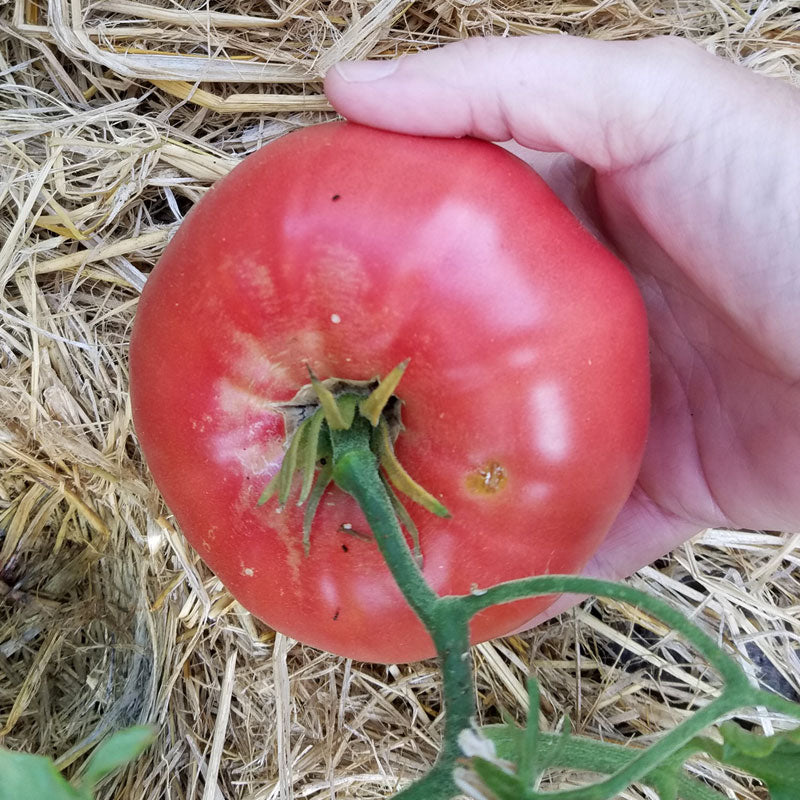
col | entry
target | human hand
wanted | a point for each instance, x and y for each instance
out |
(688, 167)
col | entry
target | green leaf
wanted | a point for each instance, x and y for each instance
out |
(30, 777)
(310, 453)
(401, 480)
(503, 785)
(372, 406)
(23, 775)
(506, 738)
(404, 518)
(528, 756)
(323, 481)
(122, 748)
(331, 409)
(562, 741)
(666, 779)
(289, 464)
(270, 489)
(775, 760)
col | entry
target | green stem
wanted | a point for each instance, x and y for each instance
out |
(646, 761)
(557, 584)
(451, 637)
(774, 702)
(592, 756)
(738, 691)
(356, 472)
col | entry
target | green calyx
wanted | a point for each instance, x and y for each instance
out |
(327, 421)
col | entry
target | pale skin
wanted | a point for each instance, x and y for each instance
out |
(689, 168)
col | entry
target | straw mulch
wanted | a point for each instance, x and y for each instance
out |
(107, 617)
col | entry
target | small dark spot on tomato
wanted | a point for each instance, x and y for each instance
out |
(335, 197)
(345, 548)
(336, 615)
(487, 479)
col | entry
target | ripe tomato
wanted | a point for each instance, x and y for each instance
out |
(349, 250)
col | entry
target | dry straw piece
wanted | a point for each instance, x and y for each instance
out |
(115, 117)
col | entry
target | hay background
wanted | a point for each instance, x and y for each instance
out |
(107, 618)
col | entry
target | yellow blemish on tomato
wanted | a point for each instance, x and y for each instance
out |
(487, 479)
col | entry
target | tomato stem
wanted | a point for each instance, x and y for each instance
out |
(354, 442)
(356, 472)
(556, 584)
(446, 618)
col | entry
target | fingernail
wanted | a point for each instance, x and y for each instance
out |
(364, 71)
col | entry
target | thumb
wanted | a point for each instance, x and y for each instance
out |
(609, 104)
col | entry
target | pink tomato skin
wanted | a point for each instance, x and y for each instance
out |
(349, 249)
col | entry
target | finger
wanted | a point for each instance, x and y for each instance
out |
(609, 104)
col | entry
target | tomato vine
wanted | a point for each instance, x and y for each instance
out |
(352, 463)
